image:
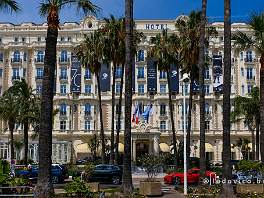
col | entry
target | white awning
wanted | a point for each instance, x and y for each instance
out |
(164, 147)
(121, 148)
(209, 147)
(82, 148)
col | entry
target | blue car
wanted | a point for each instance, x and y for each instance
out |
(57, 173)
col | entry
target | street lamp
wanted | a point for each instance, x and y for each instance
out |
(185, 80)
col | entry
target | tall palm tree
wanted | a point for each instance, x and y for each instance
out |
(28, 105)
(227, 189)
(164, 50)
(201, 65)
(247, 109)
(51, 9)
(114, 30)
(256, 41)
(9, 6)
(9, 112)
(91, 52)
(127, 185)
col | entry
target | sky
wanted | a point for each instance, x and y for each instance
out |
(143, 9)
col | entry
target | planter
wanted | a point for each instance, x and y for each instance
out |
(94, 186)
(150, 188)
(250, 188)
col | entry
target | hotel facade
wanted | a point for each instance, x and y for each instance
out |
(22, 51)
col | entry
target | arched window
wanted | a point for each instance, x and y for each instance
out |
(40, 56)
(64, 56)
(16, 56)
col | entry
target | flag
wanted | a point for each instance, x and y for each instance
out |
(139, 112)
(147, 112)
(134, 114)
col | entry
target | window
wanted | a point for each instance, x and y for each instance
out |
(24, 72)
(62, 39)
(249, 73)
(140, 55)
(1, 57)
(16, 57)
(207, 125)
(163, 75)
(118, 72)
(16, 39)
(63, 125)
(243, 90)
(163, 109)
(15, 73)
(87, 109)
(163, 88)
(140, 72)
(63, 109)
(63, 73)
(207, 89)
(242, 71)
(40, 57)
(118, 88)
(69, 39)
(248, 56)
(63, 89)
(0, 40)
(39, 74)
(88, 88)
(87, 74)
(0, 90)
(1, 73)
(141, 88)
(185, 89)
(163, 125)
(207, 74)
(250, 88)
(25, 56)
(38, 89)
(3, 150)
(241, 56)
(207, 109)
(39, 39)
(64, 56)
(87, 125)
(23, 39)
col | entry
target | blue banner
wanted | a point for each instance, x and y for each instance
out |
(217, 73)
(105, 77)
(152, 76)
(174, 79)
(76, 74)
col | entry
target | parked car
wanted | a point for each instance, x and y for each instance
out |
(247, 177)
(57, 172)
(193, 177)
(105, 173)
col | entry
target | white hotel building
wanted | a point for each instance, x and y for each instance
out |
(22, 49)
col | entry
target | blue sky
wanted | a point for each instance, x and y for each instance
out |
(144, 9)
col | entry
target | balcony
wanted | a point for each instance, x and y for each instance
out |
(16, 78)
(87, 115)
(39, 61)
(64, 60)
(249, 60)
(87, 77)
(251, 79)
(15, 61)
(63, 78)
(38, 78)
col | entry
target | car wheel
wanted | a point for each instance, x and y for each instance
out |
(176, 181)
(116, 180)
(55, 180)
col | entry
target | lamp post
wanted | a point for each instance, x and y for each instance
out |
(185, 80)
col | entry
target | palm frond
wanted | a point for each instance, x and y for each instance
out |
(243, 41)
(82, 6)
(9, 6)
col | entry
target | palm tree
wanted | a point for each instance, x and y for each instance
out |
(247, 109)
(90, 52)
(28, 105)
(9, 112)
(201, 65)
(127, 185)
(9, 6)
(227, 189)
(51, 9)
(164, 52)
(256, 41)
(114, 30)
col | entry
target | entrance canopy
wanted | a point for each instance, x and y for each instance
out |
(164, 147)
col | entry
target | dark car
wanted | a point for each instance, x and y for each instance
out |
(57, 173)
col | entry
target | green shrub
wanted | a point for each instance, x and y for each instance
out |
(78, 189)
(247, 165)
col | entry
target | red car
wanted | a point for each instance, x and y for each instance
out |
(193, 177)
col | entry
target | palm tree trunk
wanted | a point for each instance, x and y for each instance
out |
(26, 125)
(257, 140)
(119, 115)
(253, 143)
(44, 187)
(174, 142)
(261, 126)
(112, 154)
(188, 137)
(127, 186)
(11, 126)
(101, 119)
(201, 89)
(227, 189)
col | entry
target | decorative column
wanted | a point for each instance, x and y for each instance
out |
(156, 145)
